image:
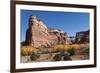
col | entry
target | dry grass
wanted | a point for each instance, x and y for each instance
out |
(26, 50)
(63, 47)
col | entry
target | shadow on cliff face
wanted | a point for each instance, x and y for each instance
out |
(28, 38)
(82, 37)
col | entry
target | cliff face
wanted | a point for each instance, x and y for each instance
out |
(38, 35)
(82, 37)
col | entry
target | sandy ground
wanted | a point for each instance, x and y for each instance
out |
(81, 55)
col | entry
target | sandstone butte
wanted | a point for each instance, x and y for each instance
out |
(39, 35)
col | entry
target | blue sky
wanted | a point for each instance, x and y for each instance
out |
(70, 22)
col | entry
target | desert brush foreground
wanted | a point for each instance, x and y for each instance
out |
(55, 53)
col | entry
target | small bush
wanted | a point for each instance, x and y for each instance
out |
(60, 56)
(62, 53)
(66, 57)
(34, 56)
(80, 46)
(71, 51)
(27, 51)
(76, 46)
(61, 47)
(45, 50)
(65, 47)
(84, 46)
(57, 57)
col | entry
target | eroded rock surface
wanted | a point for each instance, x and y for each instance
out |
(38, 35)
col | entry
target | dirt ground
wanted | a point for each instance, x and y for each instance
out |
(81, 55)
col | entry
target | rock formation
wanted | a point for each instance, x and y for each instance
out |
(82, 37)
(72, 39)
(38, 35)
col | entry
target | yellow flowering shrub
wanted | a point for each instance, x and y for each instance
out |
(75, 46)
(61, 47)
(84, 46)
(80, 46)
(66, 47)
(28, 50)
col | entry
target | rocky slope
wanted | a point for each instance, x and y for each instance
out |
(38, 35)
(82, 37)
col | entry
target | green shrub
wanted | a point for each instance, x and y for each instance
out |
(66, 57)
(57, 57)
(71, 51)
(62, 53)
(34, 56)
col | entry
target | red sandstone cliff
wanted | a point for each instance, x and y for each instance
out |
(38, 35)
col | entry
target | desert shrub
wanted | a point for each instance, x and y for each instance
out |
(80, 46)
(71, 51)
(62, 53)
(57, 57)
(75, 46)
(66, 57)
(84, 46)
(65, 47)
(61, 47)
(34, 56)
(44, 50)
(26, 51)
